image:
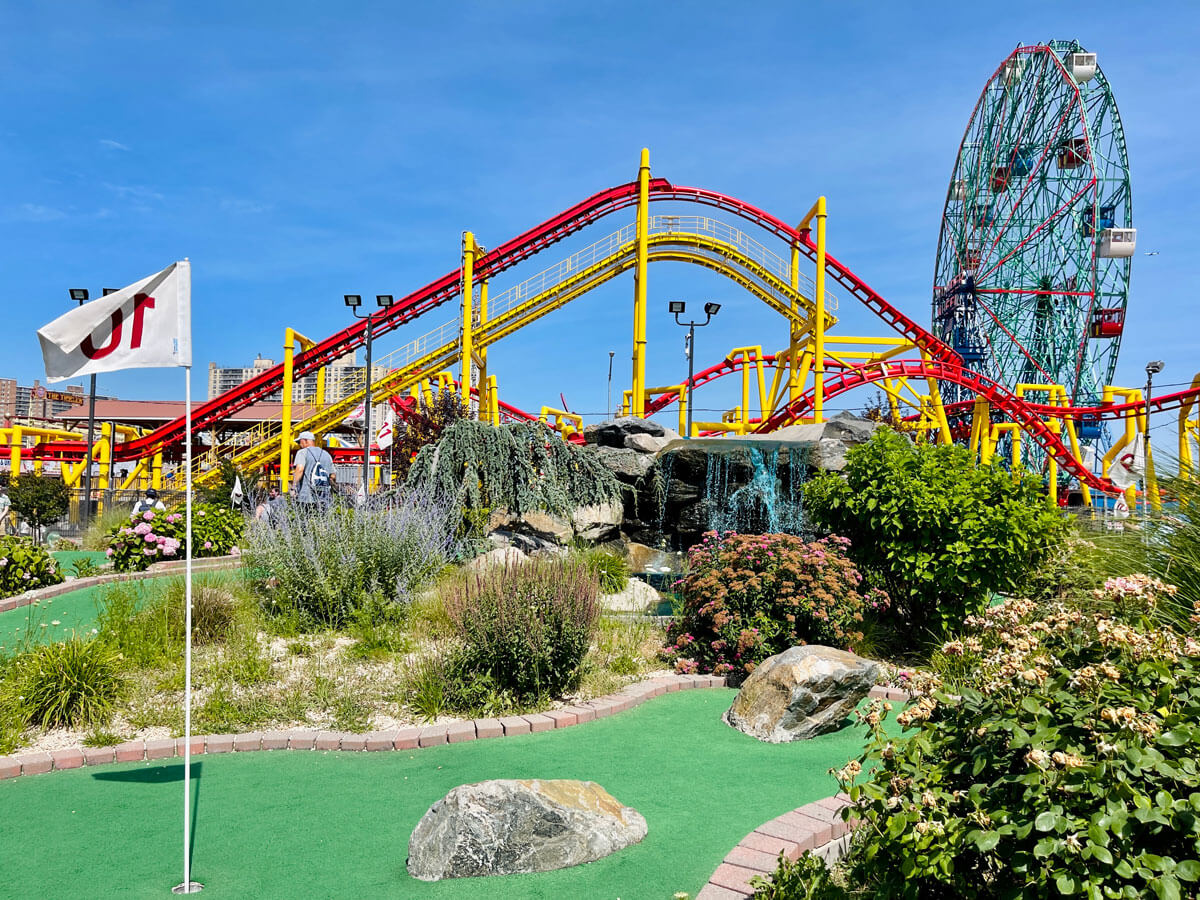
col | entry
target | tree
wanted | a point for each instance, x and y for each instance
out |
(221, 491)
(39, 500)
(422, 425)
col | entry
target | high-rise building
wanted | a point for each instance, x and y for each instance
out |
(19, 401)
(342, 378)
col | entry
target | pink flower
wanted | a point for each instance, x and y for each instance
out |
(142, 528)
(169, 551)
(235, 551)
(208, 545)
(148, 515)
(149, 552)
(149, 539)
(108, 552)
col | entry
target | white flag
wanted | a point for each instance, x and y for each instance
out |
(357, 416)
(1120, 508)
(144, 325)
(236, 496)
(1128, 467)
(383, 438)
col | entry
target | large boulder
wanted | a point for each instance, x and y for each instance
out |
(597, 522)
(800, 693)
(613, 432)
(504, 827)
(502, 557)
(638, 597)
(628, 465)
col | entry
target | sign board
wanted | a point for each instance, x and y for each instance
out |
(64, 397)
(39, 392)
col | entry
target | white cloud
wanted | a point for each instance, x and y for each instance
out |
(113, 145)
(36, 212)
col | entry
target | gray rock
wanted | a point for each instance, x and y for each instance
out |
(526, 543)
(504, 827)
(628, 465)
(638, 597)
(800, 693)
(645, 443)
(852, 429)
(613, 432)
(830, 455)
(597, 522)
(643, 558)
(500, 556)
(544, 525)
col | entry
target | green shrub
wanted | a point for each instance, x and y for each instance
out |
(214, 611)
(1063, 764)
(83, 567)
(932, 528)
(321, 567)
(611, 568)
(805, 878)
(137, 628)
(25, 566)
(216, 529)
(72, 683)
(527, 627)
(746, 597)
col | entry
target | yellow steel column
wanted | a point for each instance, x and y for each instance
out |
(819, 327)
(794, 337)
(156, 471)
(639, 288)
(683, 403)
(485, 385)
(1052, 466)
(285, 414)
(14, 453)
(467, 308)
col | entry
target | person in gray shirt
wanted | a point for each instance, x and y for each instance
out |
(313, 476)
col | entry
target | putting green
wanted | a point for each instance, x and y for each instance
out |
(291, 824)
(75, 612)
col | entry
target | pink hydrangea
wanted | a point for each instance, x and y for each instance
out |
(143, 528)
(149, 552)
(149, 539)
(148, 515)
(108, 552)
(208, 545)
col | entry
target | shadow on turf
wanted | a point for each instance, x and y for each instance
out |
(161, 775)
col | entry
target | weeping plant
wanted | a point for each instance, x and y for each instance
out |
(521, 468)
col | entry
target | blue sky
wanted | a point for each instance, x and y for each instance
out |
(299, 151)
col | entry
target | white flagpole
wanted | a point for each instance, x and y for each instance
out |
(188, 886)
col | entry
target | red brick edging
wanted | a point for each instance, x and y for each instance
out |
(157, 570)
(411, 738)
(816, 827)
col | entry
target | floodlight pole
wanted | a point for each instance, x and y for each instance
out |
(81, 295)
(1152, 369)
(710, 310)
(354, 301)
(608, 404)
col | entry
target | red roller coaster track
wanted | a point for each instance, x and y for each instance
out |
(490, 264)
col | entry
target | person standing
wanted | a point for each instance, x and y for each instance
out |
(149, 503)
(8, 524)
(313, 476)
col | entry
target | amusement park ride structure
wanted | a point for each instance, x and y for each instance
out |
(946, 389)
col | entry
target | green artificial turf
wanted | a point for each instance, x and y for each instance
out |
(75, 612)
(289, 824)
(66, 557)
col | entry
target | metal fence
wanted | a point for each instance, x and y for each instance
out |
(103, 503)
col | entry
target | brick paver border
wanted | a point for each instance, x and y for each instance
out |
(816, 828)
(410, 738)
(157, 570)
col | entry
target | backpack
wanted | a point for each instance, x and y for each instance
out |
(318, 478)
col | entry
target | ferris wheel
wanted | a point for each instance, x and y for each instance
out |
(1031, 281)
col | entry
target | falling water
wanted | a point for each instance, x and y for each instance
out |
(758, 506)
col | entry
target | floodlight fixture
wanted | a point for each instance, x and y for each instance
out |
(108, 291)
(384, 300)
(676, 306)
(1154, 367)
(712, 308)
(79, 294)
(354, 301)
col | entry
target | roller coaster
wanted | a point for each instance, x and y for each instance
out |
(938, 381)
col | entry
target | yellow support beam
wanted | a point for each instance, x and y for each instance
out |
(468, 316)
(819, 325)
(639, 287)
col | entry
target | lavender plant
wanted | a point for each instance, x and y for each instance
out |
(323, 566)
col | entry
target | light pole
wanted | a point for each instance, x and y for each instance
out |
(81, 296)
(1152, 368)
(354, 301)
(608, 405)
(710, 310)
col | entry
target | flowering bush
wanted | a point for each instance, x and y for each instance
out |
(156, 536)
(325, 566)
(1063, 764)
(932, 528)
(747, 597)
(149, 538)
(25, 566)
